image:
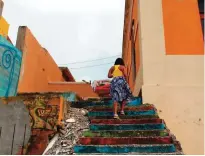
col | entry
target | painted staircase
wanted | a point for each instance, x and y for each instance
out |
(139, 131)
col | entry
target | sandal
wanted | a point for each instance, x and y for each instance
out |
(122, 112)
(116, 116)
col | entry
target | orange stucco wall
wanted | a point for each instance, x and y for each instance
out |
(182, 27)
(127, 45)
(39, 69)
(83, 90)
(37, 65)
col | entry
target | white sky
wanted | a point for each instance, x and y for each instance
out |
(72, 30)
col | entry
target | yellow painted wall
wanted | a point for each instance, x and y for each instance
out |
(4, 27)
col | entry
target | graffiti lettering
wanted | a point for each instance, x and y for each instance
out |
(43, 115)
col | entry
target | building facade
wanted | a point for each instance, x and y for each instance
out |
(163, 48)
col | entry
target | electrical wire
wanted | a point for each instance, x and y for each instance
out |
(93, 65)
(91, 60)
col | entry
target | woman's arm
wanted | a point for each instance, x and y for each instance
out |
(124, 71)
(110, 72)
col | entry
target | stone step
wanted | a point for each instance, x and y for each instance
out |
(126, 117)
(142, 107)
(162, 148)
(132, 153)
(97, 127)
(81, 104)
(102, 98)
(135, 102)
(127, 113)
(115, 133)
(126, 121)
(99, 99)
(124, 140)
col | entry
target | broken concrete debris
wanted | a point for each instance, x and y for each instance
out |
(76, 122)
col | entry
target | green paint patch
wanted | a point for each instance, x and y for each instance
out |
(110, 106)
(161, 133)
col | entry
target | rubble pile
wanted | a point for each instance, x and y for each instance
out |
(76, 122)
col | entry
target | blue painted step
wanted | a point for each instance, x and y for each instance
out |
(128, 113)
(83, 104)
(135, 102)
(125, 149)
(98, 127)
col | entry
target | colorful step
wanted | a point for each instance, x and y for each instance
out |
(135, 102)
(127, 108)
(140, 131)
(126, 121)
(146, 133)
(127, 113)
(166, 148)
(133, 153)
(125, 140)
(98, 127)
(125, 117)
(81, 104)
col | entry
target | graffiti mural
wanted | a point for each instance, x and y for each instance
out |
(46, 110)
(10, 65)
(43, 111)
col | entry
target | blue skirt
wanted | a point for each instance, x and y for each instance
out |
(120, 90)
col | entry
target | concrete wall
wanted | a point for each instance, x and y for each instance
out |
(174, 83)
(15, 127)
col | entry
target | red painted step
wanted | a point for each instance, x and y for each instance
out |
(125, 141)
(126, 121)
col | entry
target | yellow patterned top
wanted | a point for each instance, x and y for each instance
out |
(117, 72)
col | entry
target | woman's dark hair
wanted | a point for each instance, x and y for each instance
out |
(119, 61)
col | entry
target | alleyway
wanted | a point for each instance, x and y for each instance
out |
(45, 109)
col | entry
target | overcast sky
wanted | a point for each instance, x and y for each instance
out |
(72, 30)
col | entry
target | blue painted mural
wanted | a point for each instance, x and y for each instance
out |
(10, 66)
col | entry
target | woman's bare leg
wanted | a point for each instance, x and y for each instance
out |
(115, 107)
(122, 107)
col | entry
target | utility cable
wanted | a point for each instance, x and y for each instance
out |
(93, 65)
(91, 60)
